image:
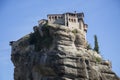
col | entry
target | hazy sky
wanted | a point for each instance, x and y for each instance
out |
(17, 18)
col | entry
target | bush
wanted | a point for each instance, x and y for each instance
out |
(98, 59)
(39, 41)
(74, 31)
(89, 47)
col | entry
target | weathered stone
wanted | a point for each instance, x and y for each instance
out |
(64, 58)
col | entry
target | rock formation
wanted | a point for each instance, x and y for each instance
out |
(55, 52)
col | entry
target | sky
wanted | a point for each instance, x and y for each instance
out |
(17, 18)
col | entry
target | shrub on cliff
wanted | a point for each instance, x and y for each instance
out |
(89, 47)
(39, 41)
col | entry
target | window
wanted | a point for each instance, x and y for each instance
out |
(52, 17)
(69, 19)
(74, 20)
(55, 17)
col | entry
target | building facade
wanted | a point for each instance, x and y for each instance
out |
(72, 20)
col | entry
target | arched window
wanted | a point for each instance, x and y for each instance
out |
(69, 19)
(74, 20)
(50, 17)
(55, 17)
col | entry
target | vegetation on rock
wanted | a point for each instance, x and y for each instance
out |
(39, 41)
(89, 47)
(74, 31)
(98, 59)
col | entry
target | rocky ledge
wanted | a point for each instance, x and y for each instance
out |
(55, 52)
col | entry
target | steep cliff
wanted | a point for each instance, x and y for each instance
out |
(55, 52)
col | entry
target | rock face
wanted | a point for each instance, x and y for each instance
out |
(55, 52)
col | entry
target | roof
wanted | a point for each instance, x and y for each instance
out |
(54, 14)
(78, 14)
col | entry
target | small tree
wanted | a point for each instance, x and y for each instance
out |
(96, 46)
(89, 47)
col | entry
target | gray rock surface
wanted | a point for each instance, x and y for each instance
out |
(57, 54)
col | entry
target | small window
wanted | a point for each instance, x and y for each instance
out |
(55, 17)
(74, 20)
(49, 17)
(52, 17)
(69, 19)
